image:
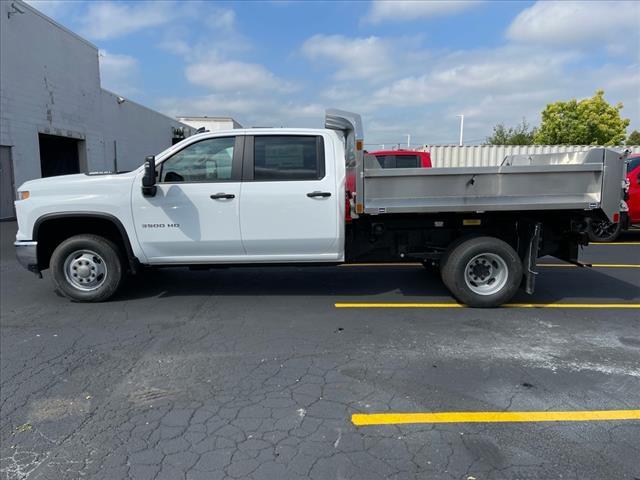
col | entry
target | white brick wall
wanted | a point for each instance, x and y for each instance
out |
(50, 83)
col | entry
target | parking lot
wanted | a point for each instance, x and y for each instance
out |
(264, 373)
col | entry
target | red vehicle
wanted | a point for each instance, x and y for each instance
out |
(604, 231)
(391, 159)
(403, 159)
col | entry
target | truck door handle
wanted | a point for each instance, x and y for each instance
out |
(220, 196)
(318, 194)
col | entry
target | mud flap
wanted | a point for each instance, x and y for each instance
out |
(530, 259)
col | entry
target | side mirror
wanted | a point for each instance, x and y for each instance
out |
(149, 177)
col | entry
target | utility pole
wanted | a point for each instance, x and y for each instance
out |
(461, 127)
(408, 140)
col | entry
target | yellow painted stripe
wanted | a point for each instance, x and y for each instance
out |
(384, 264)
(506, 305)
(560, 265)
(615, 265)
(363, 419)
(594, 265)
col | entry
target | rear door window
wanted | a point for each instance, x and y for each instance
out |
(288, 157)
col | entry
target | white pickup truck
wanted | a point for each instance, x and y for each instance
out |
(312, 196)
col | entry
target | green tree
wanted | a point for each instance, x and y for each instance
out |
(521, 134)
(592, 121)
(634, 138)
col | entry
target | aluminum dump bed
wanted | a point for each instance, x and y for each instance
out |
(589, 180)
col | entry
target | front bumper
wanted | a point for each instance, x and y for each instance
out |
(27, 255)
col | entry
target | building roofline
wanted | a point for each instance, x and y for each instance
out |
(204, 117)
(32, 9)
(145, 107)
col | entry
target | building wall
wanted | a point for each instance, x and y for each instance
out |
(492, 155)
(213, 124)
(50, 83)
(137, 131)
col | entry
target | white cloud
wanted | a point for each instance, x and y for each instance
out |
(575, 23)
(407, 10)
(503, 70)
(228, 75)
(222, 19)
(211, 32)
(249, 110)
(356, 57)
(488, 85)
(105, 20)
(52, 8)
(118, 73)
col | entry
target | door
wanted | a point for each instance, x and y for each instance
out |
(7, 188)
(194, 216)
(58, 155)
(288, 205)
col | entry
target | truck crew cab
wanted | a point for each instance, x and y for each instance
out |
(280, 196)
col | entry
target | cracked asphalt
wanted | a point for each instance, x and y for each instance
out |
(254, 374)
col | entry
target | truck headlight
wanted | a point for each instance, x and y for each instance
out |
(23, 194)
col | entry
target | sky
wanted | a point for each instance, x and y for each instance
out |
(409, 67)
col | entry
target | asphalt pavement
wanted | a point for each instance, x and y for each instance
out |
(258, 374)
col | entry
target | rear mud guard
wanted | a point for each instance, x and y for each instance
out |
(530, 259)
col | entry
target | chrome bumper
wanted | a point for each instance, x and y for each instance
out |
(27, 255)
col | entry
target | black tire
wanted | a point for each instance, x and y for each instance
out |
(454, 271)
(451, 247)
(604, 231)
(108, 258)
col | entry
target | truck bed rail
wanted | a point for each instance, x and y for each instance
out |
(591, 180)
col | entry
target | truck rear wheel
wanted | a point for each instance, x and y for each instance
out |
(87, 268)
(482, 272)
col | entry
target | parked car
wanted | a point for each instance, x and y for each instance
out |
(402, 159)
(606, 231)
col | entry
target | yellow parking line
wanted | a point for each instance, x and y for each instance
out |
(506, 305)
(364, 419)
(383, 264)
(560, 265)
(399, 305)
(594, 265)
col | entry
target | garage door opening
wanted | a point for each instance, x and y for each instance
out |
(60, 155)
(7, 187)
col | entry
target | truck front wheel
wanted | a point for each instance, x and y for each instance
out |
(87, 268)
(482, 272)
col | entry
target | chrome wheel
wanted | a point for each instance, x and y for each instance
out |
(486, 274)
(85, 270)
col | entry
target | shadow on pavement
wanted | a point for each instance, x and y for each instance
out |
(415, 282)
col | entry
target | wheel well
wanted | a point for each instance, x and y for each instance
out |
(51, 232)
